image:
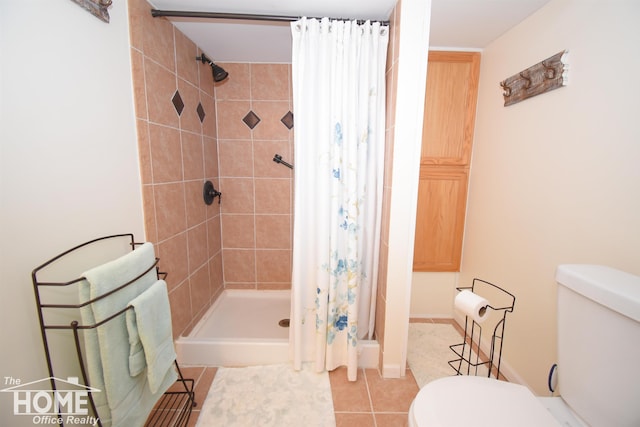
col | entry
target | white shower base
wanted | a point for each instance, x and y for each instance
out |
(242, 329)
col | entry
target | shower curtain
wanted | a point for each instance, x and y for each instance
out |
(338, 76)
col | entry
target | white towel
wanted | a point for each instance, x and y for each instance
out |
(150, 333)
(124, 400)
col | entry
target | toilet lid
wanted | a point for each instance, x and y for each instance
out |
(462, 401)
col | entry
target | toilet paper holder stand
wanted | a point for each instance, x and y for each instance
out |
(471, 358)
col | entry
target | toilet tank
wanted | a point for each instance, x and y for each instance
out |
(599, 344)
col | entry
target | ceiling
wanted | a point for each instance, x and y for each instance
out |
(471, 24)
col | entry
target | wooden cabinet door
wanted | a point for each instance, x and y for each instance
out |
(442, 198)
(450, 108)
(447, 137)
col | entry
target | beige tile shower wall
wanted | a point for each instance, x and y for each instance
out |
(257, 192)
(178, 153)
(391, 83)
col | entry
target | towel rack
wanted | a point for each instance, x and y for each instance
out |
(54, 299)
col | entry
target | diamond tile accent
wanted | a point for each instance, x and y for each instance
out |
(177, 102)
(251, 119)
(200, 111)
(287, 120)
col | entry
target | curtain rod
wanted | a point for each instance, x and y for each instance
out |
(216, 15)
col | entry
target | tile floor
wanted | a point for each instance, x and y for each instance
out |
(371, 401)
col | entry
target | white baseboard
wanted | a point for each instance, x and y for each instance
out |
(431, 316)
(368, 354)
(391, 371)
(505, 368)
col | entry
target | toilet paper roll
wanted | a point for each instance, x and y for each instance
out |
(472, 305)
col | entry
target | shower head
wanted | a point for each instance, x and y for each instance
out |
(219, 73)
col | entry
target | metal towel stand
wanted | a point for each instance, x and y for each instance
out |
(173, 409)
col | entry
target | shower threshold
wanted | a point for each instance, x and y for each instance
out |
(245, 328)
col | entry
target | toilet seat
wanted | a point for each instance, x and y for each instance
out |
(462, 401)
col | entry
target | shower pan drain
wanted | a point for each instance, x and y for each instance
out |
(284, 323)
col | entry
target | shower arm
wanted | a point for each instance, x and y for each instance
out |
(278, 159)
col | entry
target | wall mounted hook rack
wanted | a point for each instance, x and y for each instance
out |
(98, 8)
(542, 77)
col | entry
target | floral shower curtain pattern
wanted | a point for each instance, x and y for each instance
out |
(338, 75)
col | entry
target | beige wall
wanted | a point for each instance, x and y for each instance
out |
(432, 295)
(391, 82)
(555, 179)
(68, 163)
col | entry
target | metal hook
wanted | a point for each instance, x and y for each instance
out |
(507, 89)
(527, 78)
(550, 72)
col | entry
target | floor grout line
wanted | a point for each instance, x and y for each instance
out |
(366, 382)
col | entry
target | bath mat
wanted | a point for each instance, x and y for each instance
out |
(428, 351)
(271, 395)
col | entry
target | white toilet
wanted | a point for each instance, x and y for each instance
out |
(598, 365)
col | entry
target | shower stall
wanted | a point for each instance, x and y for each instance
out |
(242, 328)
(247, 321)
(246, 328)
(228, 262)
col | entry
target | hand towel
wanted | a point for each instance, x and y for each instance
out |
(149, 326)
(124, 400)
(137, 363)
